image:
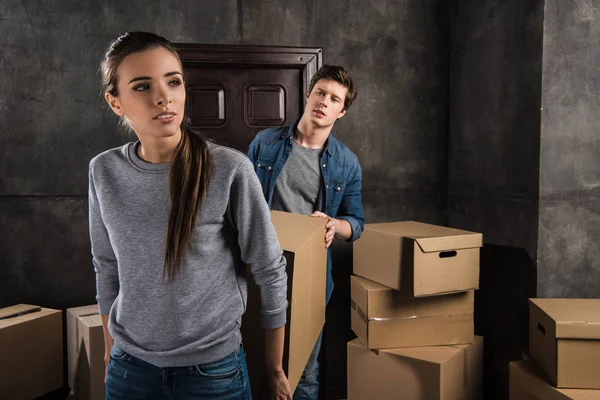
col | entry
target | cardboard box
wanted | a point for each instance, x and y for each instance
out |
(527, 382)
(85, 349)
(31, 351)
(418, 258)
(385, 318)
(418, 373)
(302, 239)
(564, 340)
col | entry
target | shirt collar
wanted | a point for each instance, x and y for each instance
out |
(329, 144)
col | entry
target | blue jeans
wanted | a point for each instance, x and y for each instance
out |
(308, 387)
(130, 378)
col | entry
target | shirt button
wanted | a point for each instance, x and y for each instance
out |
(269, 168)
(324, 165)
(258, 165)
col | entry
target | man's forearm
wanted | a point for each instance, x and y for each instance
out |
(343, 230)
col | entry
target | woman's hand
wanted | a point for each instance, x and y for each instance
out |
(279, 386)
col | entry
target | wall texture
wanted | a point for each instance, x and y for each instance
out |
(494, 141)
(54, 119)
(569, 233)
(446, 126)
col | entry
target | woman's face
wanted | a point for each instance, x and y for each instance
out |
(151, 93)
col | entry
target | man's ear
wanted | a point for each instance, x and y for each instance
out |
(341, 114)
(114, 104)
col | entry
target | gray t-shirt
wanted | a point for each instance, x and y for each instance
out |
(195, 318)
(297, 185)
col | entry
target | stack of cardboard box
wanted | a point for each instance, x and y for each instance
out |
(31, 352)
(564, 342)
(412, 310)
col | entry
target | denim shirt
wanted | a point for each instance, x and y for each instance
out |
(341, 178)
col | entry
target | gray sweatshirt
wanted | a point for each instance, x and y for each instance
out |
(196, 317)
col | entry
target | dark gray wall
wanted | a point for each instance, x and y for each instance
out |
(398, 127)
(495, 91)
(569, 235)
(54, 119)
(464, 153)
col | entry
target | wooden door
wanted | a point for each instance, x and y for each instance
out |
(236, 91)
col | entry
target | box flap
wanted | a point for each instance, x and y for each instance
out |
(366, 284)
(91, 321)
(356, 343)
(27, 317)
(430, 237)
(84, 310)
(18, 310)
(575, 318)
(447, 243)
(293, 230)
(433, 354)
(415, 229)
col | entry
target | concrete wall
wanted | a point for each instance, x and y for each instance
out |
(569, 233)
(447, 127)
(494, 141)
(54, 120)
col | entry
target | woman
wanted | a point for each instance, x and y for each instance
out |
(173, 221)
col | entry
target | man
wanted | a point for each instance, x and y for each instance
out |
(303, 169)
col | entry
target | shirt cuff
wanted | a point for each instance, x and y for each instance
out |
(274, 321)
(355, 226)
(104, 305)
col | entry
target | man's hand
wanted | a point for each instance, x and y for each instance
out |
(279, 386)
(330, 228)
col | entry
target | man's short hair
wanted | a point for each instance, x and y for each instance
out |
(340, 75)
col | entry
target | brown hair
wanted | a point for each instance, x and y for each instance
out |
(340, 75)
(189, 172)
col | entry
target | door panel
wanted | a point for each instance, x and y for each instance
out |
(243, 102)
(236, 91)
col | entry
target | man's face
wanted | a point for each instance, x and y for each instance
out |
(325, 103)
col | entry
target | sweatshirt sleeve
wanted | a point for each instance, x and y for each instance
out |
(103, 257)
(259, 245)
